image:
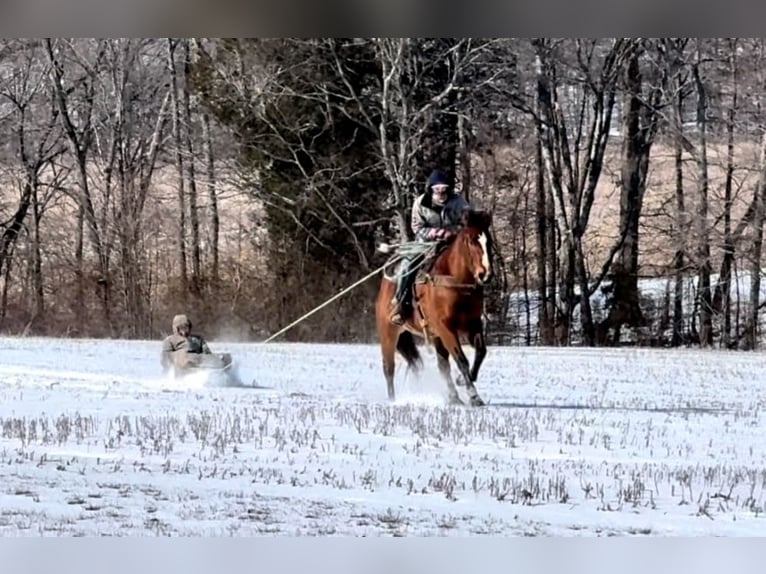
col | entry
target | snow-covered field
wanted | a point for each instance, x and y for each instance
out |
(93, 440)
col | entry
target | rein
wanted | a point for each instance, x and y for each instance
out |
(449, 281)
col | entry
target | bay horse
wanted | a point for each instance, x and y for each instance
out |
(448, 305)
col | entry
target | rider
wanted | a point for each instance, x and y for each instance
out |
(182, 340)
(435, 217)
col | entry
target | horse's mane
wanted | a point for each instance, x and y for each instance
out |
(476, 219)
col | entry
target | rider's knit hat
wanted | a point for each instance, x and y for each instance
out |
(438, 177)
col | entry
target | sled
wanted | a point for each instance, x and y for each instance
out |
(185, 363)
(217, 369)
(212, 369)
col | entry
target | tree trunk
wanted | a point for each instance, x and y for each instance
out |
(211, 190)
(722, 298)
(755, 264)
(680, 232)
(703, 233)
(37, 268)
(544, 319)
(81, 307)
(552, 264)
(131, 278)
(13, 229)
(625, 308)
(525, 273)
(465, 157)
(586, 314)
(193, 208)
(549, 140)
(4, 297)
(565, 298)
(179, 164)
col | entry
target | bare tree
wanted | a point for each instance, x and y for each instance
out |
(703, 234)
(640, 124)
(37, 142)
(573, 148)
(722, 296)
(546, 253)
(75, 102)
(138, 100)
(677, 85)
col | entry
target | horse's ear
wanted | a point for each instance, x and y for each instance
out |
(465, 217)
(486, 218)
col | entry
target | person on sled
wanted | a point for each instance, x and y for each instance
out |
(435, 217)
(183, 350)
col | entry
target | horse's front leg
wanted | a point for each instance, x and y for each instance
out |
(442, 355)
(476, 337)
(452, 343)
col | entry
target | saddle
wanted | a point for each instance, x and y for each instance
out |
(424, 269)
(425, 266)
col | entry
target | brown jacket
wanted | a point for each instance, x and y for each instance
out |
(180, 350)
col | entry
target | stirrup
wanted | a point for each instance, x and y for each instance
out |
(397, 316)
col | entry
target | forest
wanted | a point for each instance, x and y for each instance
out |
(244, 182)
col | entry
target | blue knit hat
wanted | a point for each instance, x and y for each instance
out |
(438, 177)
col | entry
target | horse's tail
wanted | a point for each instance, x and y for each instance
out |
(409, 350)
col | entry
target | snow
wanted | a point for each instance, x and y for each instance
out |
(94, 440)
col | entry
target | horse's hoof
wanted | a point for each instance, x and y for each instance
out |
(476, 401)
(455, 400)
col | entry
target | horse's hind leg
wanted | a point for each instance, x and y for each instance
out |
(387, 333)
(388, 352)
(442, 357)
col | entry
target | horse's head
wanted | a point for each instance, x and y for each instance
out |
(474, 243)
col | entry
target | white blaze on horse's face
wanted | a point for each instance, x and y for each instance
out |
(484, 258)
